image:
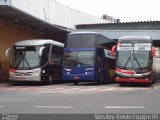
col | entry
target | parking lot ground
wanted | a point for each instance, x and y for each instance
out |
(85, 98)
(68, 88)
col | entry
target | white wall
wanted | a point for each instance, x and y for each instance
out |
(33, 7)
(55, 13)
(5, 2)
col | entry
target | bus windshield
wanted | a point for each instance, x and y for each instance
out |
(142, 59)
(79, 59)
(134, 59)
(25, 59)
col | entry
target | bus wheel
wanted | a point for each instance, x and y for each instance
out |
(101, 80)
(122, 84)
(148, 84)
(51, 79)
(153, 78)
(75, 82)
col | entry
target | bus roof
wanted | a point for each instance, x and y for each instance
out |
(84, 32)
(135, 38)
(88, 40)
(35, 42)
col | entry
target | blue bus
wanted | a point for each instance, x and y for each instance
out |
(88, 57)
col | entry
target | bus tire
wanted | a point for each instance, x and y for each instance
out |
(148, 84)
(101, 80)
(75, 82)
(51, 79)
(122, 84)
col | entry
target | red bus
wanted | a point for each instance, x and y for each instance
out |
(134, 59)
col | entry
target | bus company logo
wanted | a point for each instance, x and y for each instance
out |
(21, 74)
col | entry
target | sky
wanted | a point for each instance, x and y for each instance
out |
(125, 10)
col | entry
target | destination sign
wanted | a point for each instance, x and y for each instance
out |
(20, 47)
(142, 46)
(124, 48)
(125, 45)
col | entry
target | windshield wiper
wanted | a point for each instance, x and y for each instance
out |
(138, 63)
(20, 60)
(27, 62)
(126, 62)
(70, 64)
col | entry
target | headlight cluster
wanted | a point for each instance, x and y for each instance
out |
(36, 71)
(67, 71)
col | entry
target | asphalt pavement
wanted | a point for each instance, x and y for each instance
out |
(82, 99)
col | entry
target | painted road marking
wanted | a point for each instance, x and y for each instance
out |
(124, 107)
(128, 89)
(106, 89)
(1, 106)
(55, 107)
(90, 89)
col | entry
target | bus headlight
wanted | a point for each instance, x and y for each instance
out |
(66, 71)
(37, 71)
(43, 71)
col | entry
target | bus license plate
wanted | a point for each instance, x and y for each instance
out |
(21, 78)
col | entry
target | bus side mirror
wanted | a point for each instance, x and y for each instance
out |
(7, 51)
(153, 51)
(41, 50)
(113, 50)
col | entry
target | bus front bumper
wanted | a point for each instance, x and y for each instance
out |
(81, 77)
(137, 78)
(134, 80)
(25, 78)
(25, 75)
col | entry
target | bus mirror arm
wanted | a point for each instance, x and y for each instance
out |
(41, 50)
(113, 50)
(7, 51)
(153, 51)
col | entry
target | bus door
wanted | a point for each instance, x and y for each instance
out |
(103, 70)
(56, 62)
(44, 63)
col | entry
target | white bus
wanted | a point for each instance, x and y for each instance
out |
(35, 60)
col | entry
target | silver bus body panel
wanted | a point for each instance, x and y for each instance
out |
(26, 75)
(36, 42)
